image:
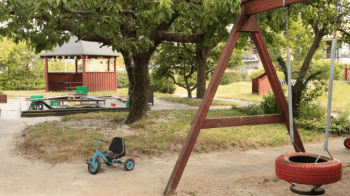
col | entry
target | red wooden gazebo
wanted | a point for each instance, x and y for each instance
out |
(81, 51)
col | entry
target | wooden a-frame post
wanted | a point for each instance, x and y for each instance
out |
(245, 22)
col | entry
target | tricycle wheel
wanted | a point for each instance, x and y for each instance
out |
(347, 143)
(94, 170)
(129, 164)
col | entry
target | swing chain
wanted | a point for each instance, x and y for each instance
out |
(329, 105)
(289, 84)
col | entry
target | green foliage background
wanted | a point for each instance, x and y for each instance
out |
(21, 68)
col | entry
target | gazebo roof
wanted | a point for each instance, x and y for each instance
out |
(73, 48)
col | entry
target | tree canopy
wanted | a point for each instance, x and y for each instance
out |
(310, 22)
(134, 28)
(21, 68)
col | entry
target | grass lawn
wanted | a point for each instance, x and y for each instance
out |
(197, 102)
(340, 97)
(162, 132)
(238, 90)
(242, 91)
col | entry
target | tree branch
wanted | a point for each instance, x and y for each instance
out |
(184, 38)
(311, 77)
(176, 82)
(188, 51)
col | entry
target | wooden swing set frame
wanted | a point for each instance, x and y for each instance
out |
(245, 22)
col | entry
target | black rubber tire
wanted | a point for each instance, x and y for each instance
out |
(92, 170)
(129, 164)
(347, 143)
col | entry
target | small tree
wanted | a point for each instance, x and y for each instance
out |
(309, 23)
(176, 61)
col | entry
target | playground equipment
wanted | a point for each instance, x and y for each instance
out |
(305, 168)
(115, 151)
(347, 143)
(35, 104)
(245, 22)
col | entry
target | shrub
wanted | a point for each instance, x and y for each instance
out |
(311, 111)
(122, 79)
(230, 77)
(21, 84)
(163, 85)
(1, 92)
(323, 65)
(244, 76)
(340, 123)
(269, 104)
(253, 109)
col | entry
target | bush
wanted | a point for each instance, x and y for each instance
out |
(1, 92)
(324, 66)
(311, 111)
(163, 85)
(21, 84)
(122, 79)
(244, 76)
(253, 109)
(269, 104)
(340, 123)
(230, 77)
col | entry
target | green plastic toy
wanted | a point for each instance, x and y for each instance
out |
(35, 98)
(82, 89)
(55, 103)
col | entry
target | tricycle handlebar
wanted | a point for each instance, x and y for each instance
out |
(100, 140)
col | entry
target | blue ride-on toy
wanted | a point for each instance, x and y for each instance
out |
(115, 151)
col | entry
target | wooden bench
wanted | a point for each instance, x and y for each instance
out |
(82, 100)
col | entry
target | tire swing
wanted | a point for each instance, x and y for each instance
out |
(347, 143)
(308, 170)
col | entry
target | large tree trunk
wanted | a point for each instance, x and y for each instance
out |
(137, 69)
(201, 60)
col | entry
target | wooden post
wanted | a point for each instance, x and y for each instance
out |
(46, 75)
(108, 65)
(76, 69)
(116, 75)
(346, 72)
(76, 65)
(84, 72)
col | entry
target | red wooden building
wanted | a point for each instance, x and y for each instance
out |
(81, 51)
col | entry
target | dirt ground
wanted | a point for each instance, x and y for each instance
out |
(253, 184)
(220, 173)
